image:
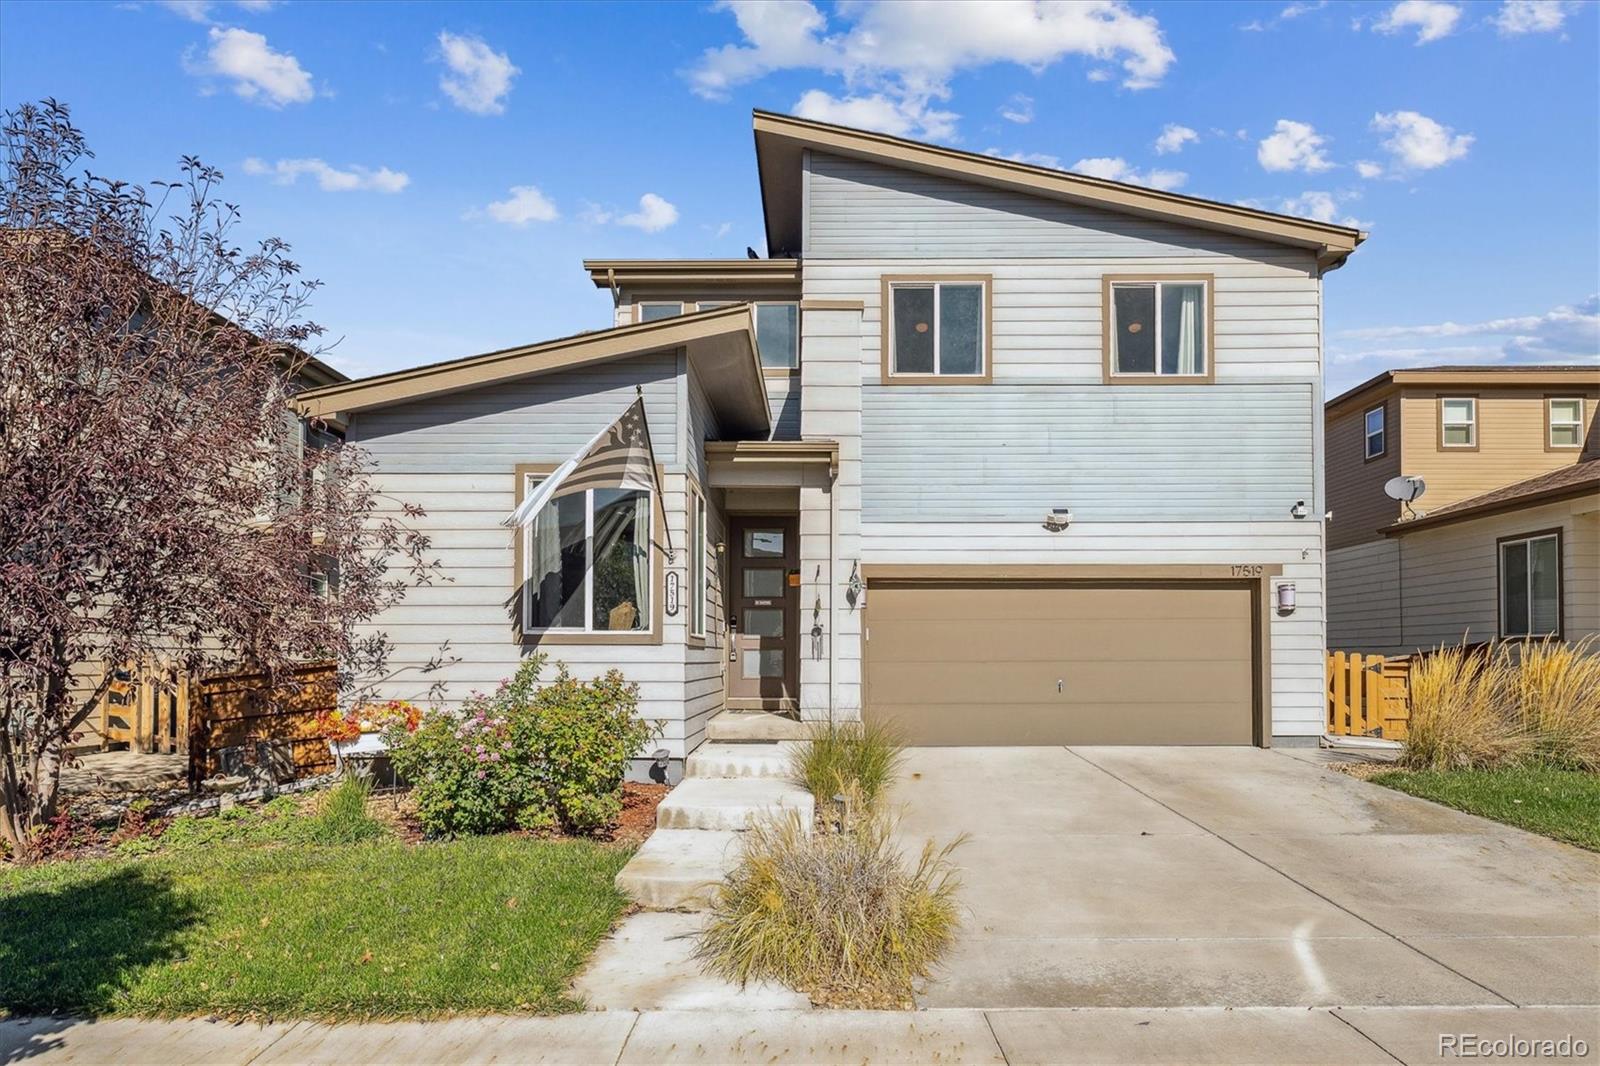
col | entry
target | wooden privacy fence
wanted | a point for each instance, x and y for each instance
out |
(1368, 695)
(238, 722)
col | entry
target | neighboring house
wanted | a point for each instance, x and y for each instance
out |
(1504, 542)
(1009, 455)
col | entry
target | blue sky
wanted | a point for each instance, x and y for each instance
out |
(443, 168)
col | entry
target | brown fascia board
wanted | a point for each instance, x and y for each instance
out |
(1466, 514)
(780, 139)
(606, 273)
(1511, 376)
(583, 349)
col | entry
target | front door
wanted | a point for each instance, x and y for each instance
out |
(764, 651)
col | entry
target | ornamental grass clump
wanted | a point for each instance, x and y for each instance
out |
(1523, 702)
(840, 916)
(845, 758)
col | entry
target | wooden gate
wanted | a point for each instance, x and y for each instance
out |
(1368, 695)
(238, 721)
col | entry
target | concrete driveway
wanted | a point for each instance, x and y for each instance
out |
(1204, 877)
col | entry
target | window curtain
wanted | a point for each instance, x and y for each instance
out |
(1189, 330)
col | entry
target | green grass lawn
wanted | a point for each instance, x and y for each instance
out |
(302, 929)
(1562, 804)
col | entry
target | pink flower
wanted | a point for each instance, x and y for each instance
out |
(482, 774)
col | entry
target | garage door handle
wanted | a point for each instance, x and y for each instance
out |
(1058, 684)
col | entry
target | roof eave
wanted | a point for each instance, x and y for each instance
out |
(1466, 514)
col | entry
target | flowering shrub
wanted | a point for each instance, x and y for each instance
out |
(527, 756)
(369, 718)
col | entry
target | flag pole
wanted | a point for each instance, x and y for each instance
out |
(655, 472)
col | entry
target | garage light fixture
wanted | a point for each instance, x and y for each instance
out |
(1299, 510)
(1286, 597)
(1057, 518)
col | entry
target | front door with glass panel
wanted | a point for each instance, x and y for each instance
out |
(763, 660)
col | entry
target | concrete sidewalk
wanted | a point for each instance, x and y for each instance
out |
(1091, 1035)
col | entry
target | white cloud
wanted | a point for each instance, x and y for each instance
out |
(1322, 206)
(654, 214)
(258, 73)
(200, 10)
(1569, 333)
(1018, 109)
(1293, 146)
(477, 78)
(898, 117)
(525, 204)
(1417, 142)
(721, 230)
(1517, 17)
(1431, 19)
(1368, 169)
(1037, 159)
(1293, 11)
(902, 55)
(329, 178)
(1174, 137)
(1115, 168)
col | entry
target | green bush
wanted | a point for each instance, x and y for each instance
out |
(343, 818)
(528, 756)
(839, 916)
(841, 757)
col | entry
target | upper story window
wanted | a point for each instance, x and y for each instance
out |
(1158, 328)
(1564, 419)
(936, 328)
(1458, 422)
(1373, 430)
(586, 562)
(650, 312)
(778, 335)
(1530, 585)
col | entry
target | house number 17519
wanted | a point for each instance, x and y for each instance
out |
(1246, 570)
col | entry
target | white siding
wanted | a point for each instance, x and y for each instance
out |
(455, 456)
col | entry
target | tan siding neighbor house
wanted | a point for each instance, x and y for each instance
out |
(1504, 541)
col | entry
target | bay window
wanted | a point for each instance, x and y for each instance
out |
(586, 562)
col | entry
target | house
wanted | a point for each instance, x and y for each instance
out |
(1503, 542)
(1004, 454)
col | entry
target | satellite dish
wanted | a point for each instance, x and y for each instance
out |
(1404, 488)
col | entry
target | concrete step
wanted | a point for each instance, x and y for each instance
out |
(730, 803)
(679, 869)
(758, 759)
(753, 725)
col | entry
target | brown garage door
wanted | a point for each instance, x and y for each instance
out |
(1028, 663)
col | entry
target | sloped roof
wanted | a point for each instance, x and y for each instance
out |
(780, 140)
(720, 341)
(1579, 479)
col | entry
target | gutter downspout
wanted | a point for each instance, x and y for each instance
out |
(833, 585)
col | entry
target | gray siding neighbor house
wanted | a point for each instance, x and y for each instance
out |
(1003, 454)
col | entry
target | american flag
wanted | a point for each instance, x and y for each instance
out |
(618, 457)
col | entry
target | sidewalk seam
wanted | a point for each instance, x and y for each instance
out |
(1365, 1037)
(1294, 881)
(272, 1043)
(998, 1046)
(623, 1050)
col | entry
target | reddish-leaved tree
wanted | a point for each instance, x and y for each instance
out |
(157, 498)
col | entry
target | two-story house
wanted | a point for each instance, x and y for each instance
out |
(1503, 541)
(1004, 454)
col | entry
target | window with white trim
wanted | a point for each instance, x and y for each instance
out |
(1158, 328)
(1458, 421)
(1530, 586)
(937, 329)
(1373, 430)
(586, 562)
(698, 570)
(1564, 415)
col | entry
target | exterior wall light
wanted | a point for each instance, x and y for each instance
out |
(1299, 510)
(1286, 597)
(1057, 519)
